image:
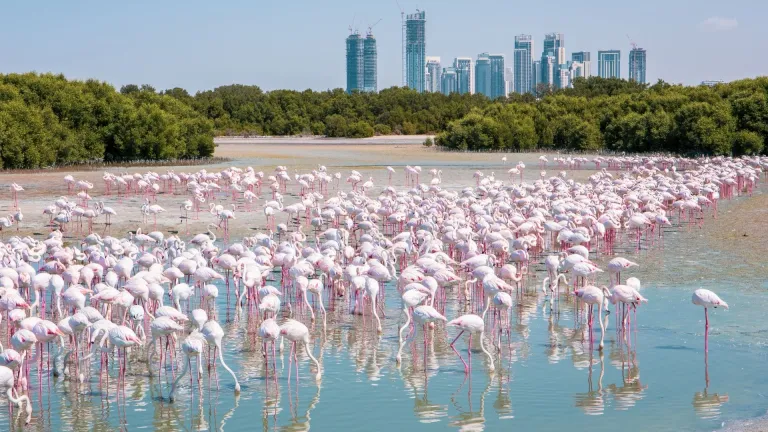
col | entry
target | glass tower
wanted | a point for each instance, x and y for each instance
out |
(355, 70)
(609, 64)
(523, 63)
(465, 75)
(637, 65)
(370, 55)
(535, 75)
(583, 57)
(415, 50)
(483, 74)
(448, 81)
(554, 45)
(498, 82)
(433, 74)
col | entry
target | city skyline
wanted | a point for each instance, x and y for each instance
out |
(200, 46)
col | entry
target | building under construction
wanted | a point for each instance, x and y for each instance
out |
(370, 76)
(354, 62)
(361, 63)
(637, 65)
(415, 50)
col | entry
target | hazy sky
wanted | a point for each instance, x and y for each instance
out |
(299, 44)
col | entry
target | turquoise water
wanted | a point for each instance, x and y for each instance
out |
(547, 379)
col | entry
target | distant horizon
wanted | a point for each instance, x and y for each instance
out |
(199, 45)
(157, 89)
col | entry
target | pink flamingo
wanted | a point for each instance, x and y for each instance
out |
(707, 299)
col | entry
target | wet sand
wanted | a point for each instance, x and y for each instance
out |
(42, 188)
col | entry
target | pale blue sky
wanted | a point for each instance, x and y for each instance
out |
(299, 44)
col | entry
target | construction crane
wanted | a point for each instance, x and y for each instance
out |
(351, 30)
(631, 42)
(370, 27)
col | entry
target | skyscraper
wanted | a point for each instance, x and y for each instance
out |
(483, 74)
(498, 82)
(523, 64)
(637, 65)
(583, 57)
(554, 45)
(448, 84)
(576, 70)
(564, 76)
(609, 64)
(415, 50)
(355, 69)
(465, 75)
(370, 75)
(535, 76)
(549, 71)
(509, 79)
(434, 74)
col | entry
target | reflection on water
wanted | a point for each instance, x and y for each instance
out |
(592, 402)
(543, 362)
(706, 405)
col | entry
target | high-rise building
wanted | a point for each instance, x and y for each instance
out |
(575, 70)
(535, 76)
(564, 76)
(549, 71)
(449, 82)
(509, 79)
(523, 63)
(554, 45)
(465, 75)
(483, 74)
(498, 82)
(415, 50)
(355, 68)
(434, 74)
(370, 66)
(637, 65)
(583, 57)
(609, 64)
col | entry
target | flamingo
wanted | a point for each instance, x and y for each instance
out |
(707, 299)
(472, 324)
(214, 334)
(296, 332)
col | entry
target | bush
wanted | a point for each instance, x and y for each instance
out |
(429, 142)
(360, 129)
(382, 129)
(747, 143)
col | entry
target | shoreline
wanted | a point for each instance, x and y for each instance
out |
(322, 140)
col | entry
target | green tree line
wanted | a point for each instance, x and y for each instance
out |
(621, 116)
(47, 120)
(241, 109)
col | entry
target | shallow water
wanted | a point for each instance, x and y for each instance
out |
(547, 379)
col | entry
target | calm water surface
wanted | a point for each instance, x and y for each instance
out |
(547, 378)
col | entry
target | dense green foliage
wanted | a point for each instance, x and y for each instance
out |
(47, 120)
(239, 109)
(622, 116)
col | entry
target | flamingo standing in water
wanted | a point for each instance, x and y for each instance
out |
(473, 324)
(594, 296)
(707, 299)
(426, 315)
(296, 332)
(411, 299)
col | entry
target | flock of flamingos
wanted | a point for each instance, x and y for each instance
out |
(78, 304)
